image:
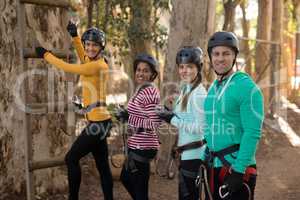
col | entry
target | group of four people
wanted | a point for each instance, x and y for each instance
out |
(218, 131)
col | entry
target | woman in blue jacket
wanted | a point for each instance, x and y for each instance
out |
(188, 117)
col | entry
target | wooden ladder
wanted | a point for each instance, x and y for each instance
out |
(26, 53)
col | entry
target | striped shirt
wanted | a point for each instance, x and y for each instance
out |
(142, 116)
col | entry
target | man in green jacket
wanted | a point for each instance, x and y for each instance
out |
(234, 115)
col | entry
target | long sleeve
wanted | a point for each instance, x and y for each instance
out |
(86, 69)
(252, 115)
(79, 48)
(151, 99)
(141, 109)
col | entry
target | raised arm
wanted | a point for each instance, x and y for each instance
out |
(72, 29)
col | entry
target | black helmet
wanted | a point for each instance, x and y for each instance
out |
(95, 35)
(144, 57)
(190, 54)
(223, 38)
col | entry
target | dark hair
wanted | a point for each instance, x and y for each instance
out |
(150, 60)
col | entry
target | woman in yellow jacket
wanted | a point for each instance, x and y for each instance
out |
(94, 75)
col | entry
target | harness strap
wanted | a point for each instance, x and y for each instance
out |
(189, 174)
(222, 153)
(137, 130)
(130, 161)
(189, 146)
(84, 110)
(138, 158)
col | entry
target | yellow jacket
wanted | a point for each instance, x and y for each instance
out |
(93, 76)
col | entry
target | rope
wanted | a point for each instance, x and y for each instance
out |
(202, 178)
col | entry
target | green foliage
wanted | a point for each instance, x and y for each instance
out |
(118, 27)
(291, 16)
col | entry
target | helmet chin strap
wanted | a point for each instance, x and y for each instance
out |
(95, 57)
(223, 75)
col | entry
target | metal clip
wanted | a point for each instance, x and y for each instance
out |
(198, 181)
(223, 191)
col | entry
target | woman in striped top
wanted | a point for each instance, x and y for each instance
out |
(142, 126)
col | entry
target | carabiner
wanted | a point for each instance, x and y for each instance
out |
(223, 194)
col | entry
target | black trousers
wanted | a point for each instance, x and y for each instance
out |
(91, 140)
(239, 195)
(137, 182)
(187, 187)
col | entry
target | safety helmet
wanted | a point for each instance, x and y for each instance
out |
(223, 38)
(190, 54)
(95, 35)
(150, 60)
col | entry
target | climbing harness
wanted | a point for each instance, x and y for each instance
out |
(80, 109)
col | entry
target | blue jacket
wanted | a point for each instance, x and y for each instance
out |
(190, 122)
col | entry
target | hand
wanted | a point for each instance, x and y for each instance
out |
(174, 152)
(165, 114)
(40, 51)
(77, 101)
(122, 114)
(72, 29)
(234, 181)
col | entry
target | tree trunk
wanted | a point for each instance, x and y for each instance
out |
(97, 2)
(90, 6)
(188, 27)
(229, 10)
(140, 29)
(107, 12)
(276, 36)
(262, 53)
(47, 25)
(245, 49)
(287, 57)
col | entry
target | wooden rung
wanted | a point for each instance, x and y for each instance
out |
(43, 108)
(55, 162)
(57, 3)
(30, 53)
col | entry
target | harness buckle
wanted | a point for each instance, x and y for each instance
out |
(198, 180)
(223, 191)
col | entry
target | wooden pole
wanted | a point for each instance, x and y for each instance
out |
(55, 162)
(43, 108)
(57, 3)
(28, 142)
(30, 53)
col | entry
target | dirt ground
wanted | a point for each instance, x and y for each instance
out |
(277, 162)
